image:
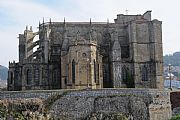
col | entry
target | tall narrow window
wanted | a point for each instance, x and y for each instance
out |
(55, 76)
(11, 77)
(73, 71)
(124, 74)
(65, 81)
(36, 76)
(95, 71)
(29, 76)
(97, 77)
(144, 73)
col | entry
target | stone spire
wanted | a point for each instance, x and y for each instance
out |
(31, 28)
(90, 22)
(50, 20)
(64, 20)
(108, 21)
(64, 23)
(43, 20)
(26, 27)
(107, 24)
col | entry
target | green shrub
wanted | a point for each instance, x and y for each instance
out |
(176, 117)
(120, 117)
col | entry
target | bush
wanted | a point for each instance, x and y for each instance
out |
(176, 117)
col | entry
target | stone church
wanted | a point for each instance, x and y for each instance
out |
(80, 55)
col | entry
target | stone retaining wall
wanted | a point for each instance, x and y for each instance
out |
(139, 104)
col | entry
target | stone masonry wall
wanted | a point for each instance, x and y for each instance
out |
(139, 104)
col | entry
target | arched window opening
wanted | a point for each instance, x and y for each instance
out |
(36, 76)
(11, 77)
(29, 76)
(124, 74)
(56, 77)
(127, 77)
(73, 71)
(144, 73)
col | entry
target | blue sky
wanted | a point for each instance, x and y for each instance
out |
(16, 14)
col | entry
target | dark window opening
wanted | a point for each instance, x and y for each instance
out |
(29, 76)
(125, 51)
(107, 82)
(127, 77)
(11, 77)
(144, 73)
(124, 74)
(73, 71)
(65, 81)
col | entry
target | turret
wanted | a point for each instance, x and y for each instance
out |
(22, 47)
(28, 36)
(46, 44)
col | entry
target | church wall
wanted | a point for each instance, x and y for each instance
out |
(140, 43)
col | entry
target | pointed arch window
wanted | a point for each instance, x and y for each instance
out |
(124, 74)
(36, 76)
(11, 77)
(29, 76)
(144, 73)
(73, 71)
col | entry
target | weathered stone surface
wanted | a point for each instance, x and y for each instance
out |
(135, 103)
(104, 104)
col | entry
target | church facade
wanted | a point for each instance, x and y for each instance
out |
(80, 55)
